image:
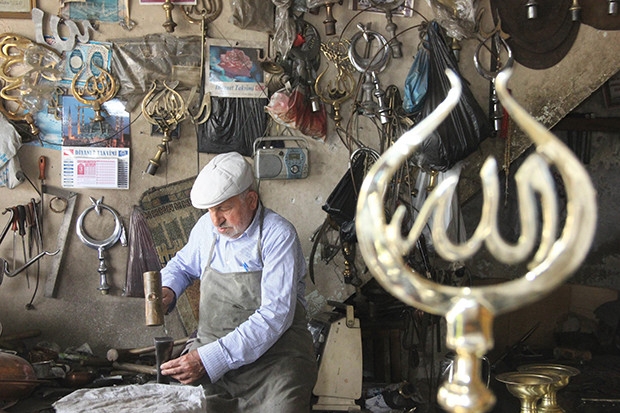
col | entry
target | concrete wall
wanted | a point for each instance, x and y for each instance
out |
(80, 314)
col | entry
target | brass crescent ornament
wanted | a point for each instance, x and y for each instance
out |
(469, 312)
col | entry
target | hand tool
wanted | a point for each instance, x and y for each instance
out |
(63, 231)
(32, 223)
(8, 224)
(120, 354)
(163, 353)
(21, 223)
(14, 228)
(136, 368)
(31, 227)
(153, 306)
(42, 166)
(4, 266)
(37, 223)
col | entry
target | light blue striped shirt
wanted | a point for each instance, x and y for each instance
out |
(282, 284)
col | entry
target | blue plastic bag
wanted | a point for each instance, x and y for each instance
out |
(416, 83)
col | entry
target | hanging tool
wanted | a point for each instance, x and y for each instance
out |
(21, 223)
(14, 228)
(8, 224)
(29, 227)
(4, 232)
(497, 38)
(42, 166)
(34, 237)
(63, 232)
(37, 224)
(4, 265)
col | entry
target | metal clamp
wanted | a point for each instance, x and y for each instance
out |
(101, 245)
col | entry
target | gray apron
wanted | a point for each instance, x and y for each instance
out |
(281, 380)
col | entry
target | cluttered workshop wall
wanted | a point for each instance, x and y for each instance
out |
(131, 96)
(122, 105)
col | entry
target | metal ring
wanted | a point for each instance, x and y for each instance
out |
(93, 243)
(375, 63)
(63, 201)
(487, 74)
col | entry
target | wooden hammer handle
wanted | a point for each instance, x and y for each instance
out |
(116, 354)
(135, 368)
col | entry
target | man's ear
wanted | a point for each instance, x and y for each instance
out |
(252, 198)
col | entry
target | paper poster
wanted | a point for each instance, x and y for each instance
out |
(80, 129)
(109, 11)
(234, 70)
(86, 167)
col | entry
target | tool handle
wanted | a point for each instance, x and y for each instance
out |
(21, 217)
(42, 165)
(120, 354)
(137, 368)
(29, 215)
(15, 219)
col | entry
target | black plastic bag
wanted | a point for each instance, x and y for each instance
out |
(234, 124)
(342, 201)
(466, 126)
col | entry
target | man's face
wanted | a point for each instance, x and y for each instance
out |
(234, 215)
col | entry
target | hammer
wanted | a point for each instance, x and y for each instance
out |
(120, 354)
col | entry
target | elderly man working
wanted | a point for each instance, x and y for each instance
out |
(253, 351)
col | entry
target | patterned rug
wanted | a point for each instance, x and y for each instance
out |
(170, 217)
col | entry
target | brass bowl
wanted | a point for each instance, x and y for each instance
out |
(561, 375)
(559, 370)
(527, 387)
(525, 384)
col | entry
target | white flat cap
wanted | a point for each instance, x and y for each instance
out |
(227, 175)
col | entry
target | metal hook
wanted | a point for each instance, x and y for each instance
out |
(490, 74)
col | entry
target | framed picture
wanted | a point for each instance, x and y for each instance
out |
(16, 9)
(234, 70)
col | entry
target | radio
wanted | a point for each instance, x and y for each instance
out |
(280, 163)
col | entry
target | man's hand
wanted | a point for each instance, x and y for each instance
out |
(167, 298)
(186, 369)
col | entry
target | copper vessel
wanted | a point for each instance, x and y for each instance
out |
(17, 377)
